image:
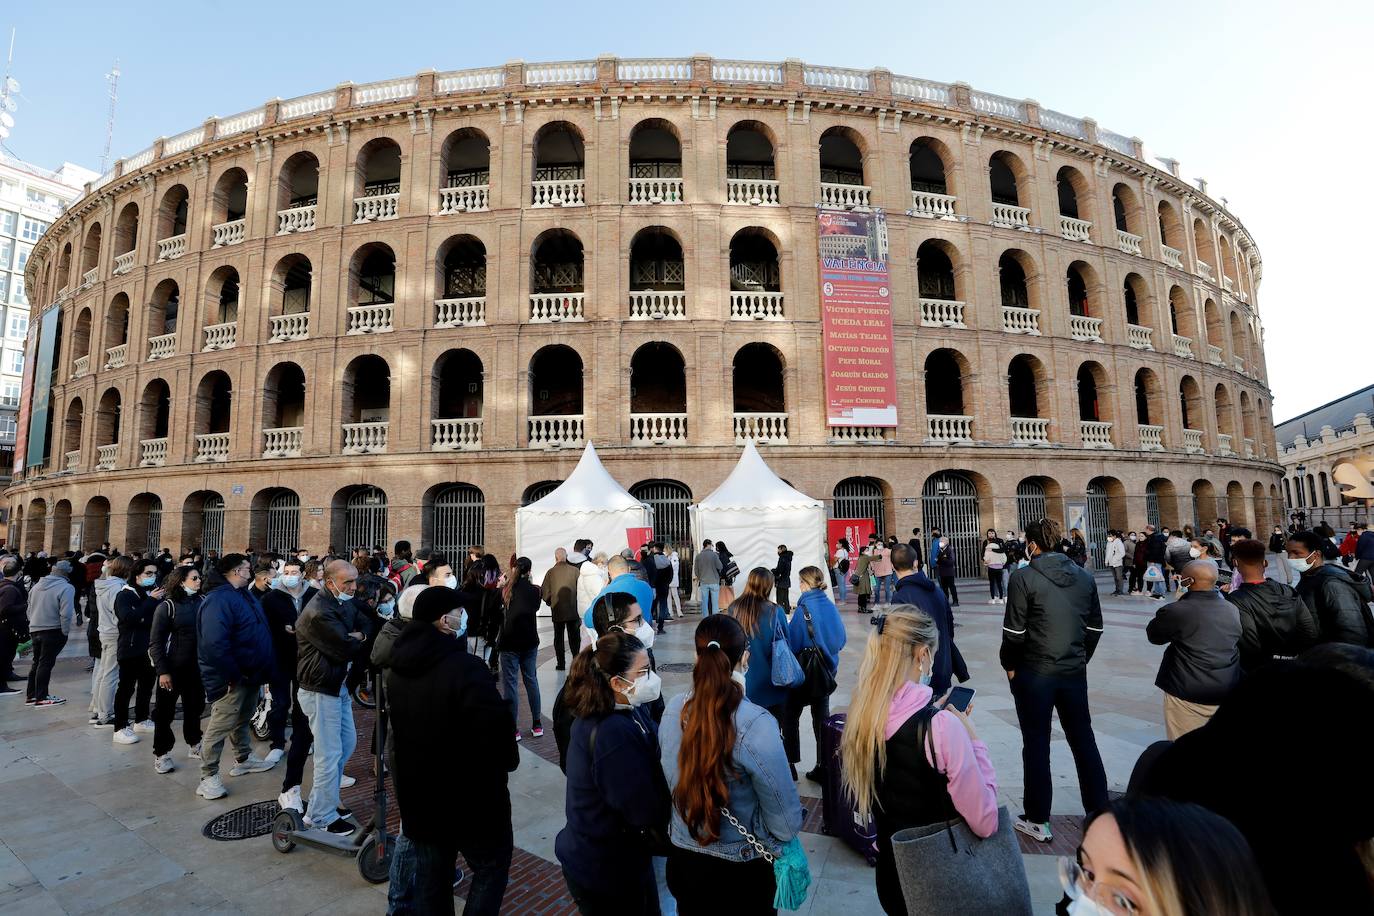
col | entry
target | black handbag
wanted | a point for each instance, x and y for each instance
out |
(817, 682)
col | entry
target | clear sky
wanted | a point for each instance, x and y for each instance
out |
(1267, 100)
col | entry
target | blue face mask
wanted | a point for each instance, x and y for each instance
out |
(925, 678)
(147, 581)
(386, 608)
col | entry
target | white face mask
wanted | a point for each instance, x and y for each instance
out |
(1086, 906)
(1194, 552)
(1300, 566)
(190, 588)
(451, 582)
(738, 677)
(645, 634)
(644, 689)
(290, 581)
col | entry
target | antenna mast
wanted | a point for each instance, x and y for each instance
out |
(113, 79)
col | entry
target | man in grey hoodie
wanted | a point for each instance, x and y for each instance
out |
(51, 613)
(105, 677)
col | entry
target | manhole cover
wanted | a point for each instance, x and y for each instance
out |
(674, 667)
(243, 823)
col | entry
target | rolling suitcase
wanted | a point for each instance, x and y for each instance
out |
(839, 817)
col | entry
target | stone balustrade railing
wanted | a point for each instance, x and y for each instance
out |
(1214, 355)
(1192, 441)
(88, 278)
(116, 356)
(162, 346)
(1183, 346)
(1172, 256)
(230, 233)
(654, 70)
(288, 327)
(753, 191)
(1081, 327)
(933, 206)
(1224, 445)
(370, 319)
(365, 438)
(1238, 364)
(152, 452)
(761, 428)
(565, 431)
(764, 306)
(73, 462)
(1010, 216)
(1030, 431)
(106, 456)
(658, 428)
(1228, 284)
(1095, 433)
(845, 196)
(212, 447)
(655, 191)
(456, 435)
(283, 442)
(220, 336)
(1073, 229)
(1139, 337)
(296, 219)
(657, 304)
(837, 78)
(1151, 437)
(467, 199)
(942, 313)
(1204, 270)
(1127, 242)
(1020, 321)
(949, 428)
(568, 192)
(169, 249)
(80, 366)
(462, 312)
(861, 435)
(549, 307)
(123, 263)
(375, 207)
(1249, 445)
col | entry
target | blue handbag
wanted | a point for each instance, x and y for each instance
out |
(786, 671)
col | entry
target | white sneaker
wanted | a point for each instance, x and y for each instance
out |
(107, 722)
(992, 601)
(194, 752)
(274, 755)
(212, 787)
(146, 726)
(164, 764)
(291, 799)
(1039, 832)
(347, 781)
(126, 735)
(251, 765)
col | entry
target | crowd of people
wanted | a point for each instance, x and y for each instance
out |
(671, 802)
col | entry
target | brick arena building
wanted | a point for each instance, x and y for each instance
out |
(395, 310)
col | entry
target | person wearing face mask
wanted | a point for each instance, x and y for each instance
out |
(519, 645)
(559, 592)
(105, 678)
(623, 579)
(434, 570)
(1339, 600)
(762, 621)
(947, 569)
(1115, 558)
(282, 605)
(617, 801)
(908, 760)
(1201, 665)
(134, 607)
(1275, 624)
(172, 650)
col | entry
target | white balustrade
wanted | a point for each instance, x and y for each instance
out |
(761, 428)
(106, 456)
(1214, 356)
(73, 462)
(1249, 448)
(466, 312)
(557, 432)
(753, 191)
(861, 435)
(1061, 123)
(456, 435)
(239, 123)
(220, 336)
(171, 248)
(1151, 437)
(1192, 441)
(80, 366)
(1020, 321)
(1075, 230)
(942, 313)
(763, 306)
(385, 91)
(745, 71)
(658, 428)
(1172, 256)
(921, 90)
(1000, 105)
(88, 278)
(655, 190)
(573, 71)
(1204, 270)
(212, 447)
(1183, 346)
(657, 304)
(152, 453)
(365, 438)
(1238, 364)
(1010, 216)
(162, 346)
(470, 80)
(296, 219)
(933, 206)
(1127, 242)
(847, 196)
(949, 428)
(369, 319)
(283, 442)
(306, 105)
(288, 327)
(1081, 327)
(1114, 141)
(1095, 433)
(568, 192)
(1030, 431)
(1141, 338)
(123, 263)
(116, 356)
(654, 69)
(230, 233)
(467, 199)
(836, 78)
(183, 141)
(376, 207)
(547, 307)
(1228, 284)
(1224, 446)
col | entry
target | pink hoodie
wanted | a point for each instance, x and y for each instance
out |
(965, 762)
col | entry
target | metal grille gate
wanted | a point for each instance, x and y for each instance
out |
(460, 519)
(950, 502)
(1151, 505)
(153, 540)
(670, 501)
(284, 523)
(1030, 503)
(861, 497)
(1098, 520)
(365, 518)
(212, 524)
(538, 491)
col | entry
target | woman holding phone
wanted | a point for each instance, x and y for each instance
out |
(909, 760)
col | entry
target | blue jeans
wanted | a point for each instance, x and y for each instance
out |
(331, 724)
(1158, 587)
(886, 586)
(842, 583)
(1037, 697)
(710, 599)
(422, 879)
(522, 664)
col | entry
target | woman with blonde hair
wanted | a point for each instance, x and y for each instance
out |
(908, 760)
(763, 621)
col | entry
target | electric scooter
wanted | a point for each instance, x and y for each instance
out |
(371, 846)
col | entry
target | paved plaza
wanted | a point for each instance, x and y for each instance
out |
(86, 825)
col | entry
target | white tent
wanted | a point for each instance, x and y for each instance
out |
(589, 504)
(754, 511)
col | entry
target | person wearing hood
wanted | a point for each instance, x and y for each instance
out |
(1050, 630)
(581, 552)
(105, 677)
(559, 592)
(444, 703)
(1275, 623)
(172, 650)
(134, 606)
(919, 591)
(1201, 665)
(782, 578)
(817, 624)
(591, 579)
(51, 615)
(282, 606)
(1339, 600)
(14, 621)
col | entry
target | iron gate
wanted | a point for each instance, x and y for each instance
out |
(212, 524)
(949, 502)
(1099, 518)
(538, 491)
(460, 519)
(284, 523)
(1030, 502)
(1152, 505)
(365, 518)
(153, 539)
(1197, 524)
(861, 497)
(670, 501)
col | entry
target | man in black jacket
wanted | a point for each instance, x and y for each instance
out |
(1156, 554)
(1274, 622)
(14, 621)
(1050, 629)
(1201, 665)
(282, 606)
(782, 578)
(917, 589)
(328, 637)
(444, 704)
(1339, 600)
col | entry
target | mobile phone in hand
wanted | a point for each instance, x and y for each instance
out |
(960, 697)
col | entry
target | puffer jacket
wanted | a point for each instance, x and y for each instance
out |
(172, 640)
(323, 647)
(134, 608)
(1274, 623)
(591, 579)
(1335, 598)
(233, 641)
(1053, 619)
(1202, 661)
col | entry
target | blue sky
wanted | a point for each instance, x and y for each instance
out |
(1260, 98)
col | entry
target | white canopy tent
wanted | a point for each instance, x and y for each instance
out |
(589, 504)
(755, 510)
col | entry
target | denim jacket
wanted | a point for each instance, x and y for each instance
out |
(762, 795)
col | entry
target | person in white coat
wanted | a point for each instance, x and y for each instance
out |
(1116, 555)
(675, 588)
(591, 579)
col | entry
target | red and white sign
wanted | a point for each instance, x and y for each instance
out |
(856, 319)
(638, 537)
(853, 530)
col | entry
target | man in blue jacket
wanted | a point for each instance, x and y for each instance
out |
(917, 589)
(234, 648)
(623, 580)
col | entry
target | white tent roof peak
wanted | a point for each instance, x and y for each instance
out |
(589, 488)
(752, 484)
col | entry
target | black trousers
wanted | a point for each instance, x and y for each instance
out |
(282, 694)
(631, 897)
(1037, 696)
(187, 686)
(47, 645)
(573, 631)
(301, 739)
(791, 726)
(995, 589)
(705, 885)
(1137, 583)
(950, 589)
(783, 597)
(8, 646)
(136, 680)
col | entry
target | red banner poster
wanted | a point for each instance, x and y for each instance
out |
(856, 319)
(853, 530)
(638, 537)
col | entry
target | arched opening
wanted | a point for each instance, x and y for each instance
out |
(154, 411)
(1170, 228)
(671, 501)
(656, 263)
(1206, 253)
(1077, 280)
(1014, 272)
(116, 328)
(144, 529)
(202, 522)
(750, 176)
(1263, 511)
(1074, 195)
(456, 399)
(1225, 412)
(1092, 382)
(298, 185)
(1126, 212)
(556, 264)
(1135, 296)
(1237, 325)
(1190, 403)
(757, 373)
(841, 167)
(1247, 423)
(1178, 305)
(950, 505)
(126, 230)
(754, 265)
(462, 263)
(466, 160)
(926, 162)
(655, 163)
(1004, 169)
(36, 526)
(221, 299)
(289, 294)
(944, 384)
(72, 427)
(95, 523)
(1204, 505)
(1227, 267)
(556, 382)
(81, 335)
(61, 526)
(163, 309)
(362, 523)
(935, 275)
(1037, 498)
(658, 386)
(214, 405)
(861, 497)
(283, 400)
(64, 269)
(1149, 401)
(378, 171)
(172, 213)
(537, 491)
(1027, 386)
(275, 521)
(457, 519)
(372, 276)
(1161, 503)
(559, 166)
(107, 418)
(366, 395)
(1235, 505)
(90, 260)
(1106, 511)
(230, 201)
(1216, 330)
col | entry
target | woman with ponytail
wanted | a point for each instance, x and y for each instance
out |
(763, 621)
(616, 794)
(728, 772)
(908, 760)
